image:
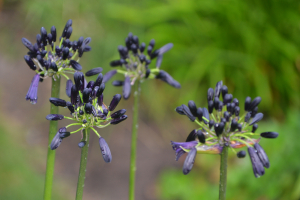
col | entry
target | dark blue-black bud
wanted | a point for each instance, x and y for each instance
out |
(247, 103)
(258, 168)
(69, 32)
(114, 102)
(88, 108)
(126, 87)
(179, 110)
(188, 113)
(234, 125)
(29, 62)
(99, 80)
(191, 136)
(142, 47)
(205, 115)
(210, 106)
(262, 155)
(86, 95)
(118, 120)
(254, 128)
(148, 71)
(94, 71)
(54, 117)
(237, 111)
(64, 134)
(241, 154)
(74, 93)
(200, 114)
(53, 33)
(269, 135)
(65, 52)
(75, 65)
(106, 154)
(257, 118)
(108, 75)
(211, 123)
(201, 136)
(210, 94)
(117, 83)
(189, 161)
(255, 103)
(193, 108)
(53, 66)
(224, 91)
(70, 107)
(58, 102)
(81, 144)
(118, 113)
(100, 90)
(218, 88)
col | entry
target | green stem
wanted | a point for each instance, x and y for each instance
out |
(223, 174)
(82, 168)
(51, 154)
(137, 91)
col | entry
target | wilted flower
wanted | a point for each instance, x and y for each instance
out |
(221, 125)
(134, 62)
(51, 58)
(87, 110)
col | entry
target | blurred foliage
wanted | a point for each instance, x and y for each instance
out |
(253, 46)
(281, 181)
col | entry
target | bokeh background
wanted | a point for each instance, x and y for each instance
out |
(253, 46)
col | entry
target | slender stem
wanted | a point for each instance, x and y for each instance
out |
(137, 91)
(51, 154)
(82, 169)
(223, 174)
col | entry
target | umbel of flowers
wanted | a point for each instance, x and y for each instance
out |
(134, 63)
(52, 57)
(221, 124)
(87, 111)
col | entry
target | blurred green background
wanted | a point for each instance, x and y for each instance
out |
(253, 46)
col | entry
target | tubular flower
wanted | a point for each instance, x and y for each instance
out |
(50, 59)
(134, 63)
(220, 125)
(88, 110)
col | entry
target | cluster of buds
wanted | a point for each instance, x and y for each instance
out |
(49, 59)
(222, 125)
(87, 110)
(134, 64)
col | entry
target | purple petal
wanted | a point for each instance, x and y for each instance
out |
(106, 154)
(108, 75)
(32, 91)
(126, 87)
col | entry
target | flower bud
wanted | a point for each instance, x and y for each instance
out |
(269, 135)
(29, 62)
(220, 106)
(80, 41)
(118, 120)
(100, 100)
(218, 88)
(210, 94)
(158, 61)
(205, 115)
(108, 75)
(94, 71)
(211, 123)
(68, 24)
(262, 155)
(53, 33)
(254, 112)
(56, 141)
(210, 106)
(100, 90)
(75, 65)
(126, 87)
(86, 95)
(247, 103)
(149, 50)
(224, 91)
(179, 110)
(65, 52)
(241, 154)
(187, 112)
(200, 114)
(239, 127)
(74, 94)
(106, 154)
(257, 166)
(227, 98)
(114, 102)
(257, 118)
(118, 113)
(237, 111)
(27, 44)
(165, 48)
(53, 66)
(255, 103)
(193, 108)
(54, 117)
(69, 32)
(235, 101)
(226, 116)
(142, 47)
(90, 84)
(64, 134)
(234, 125)
(58, 102)
(81, 144)
(191, 136)
(70, 107)
(201, 136)
(164, 76)
(189, 161)
(148, 72)
(88, 108)
(99, 80)
(219, 127)
(247, 117)
(254, 127)
(49, 37)
(117, 83)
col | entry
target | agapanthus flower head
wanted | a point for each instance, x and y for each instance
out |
(223, 125)
(134, 64)
(50, 57)
(88, 110)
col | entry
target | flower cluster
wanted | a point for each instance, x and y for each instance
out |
(88, 111)
(134, 64)
(222, 125)
(49, 59)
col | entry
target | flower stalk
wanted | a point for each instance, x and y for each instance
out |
(51, 154)
(137, 91)
(223, 174)
(82, 168)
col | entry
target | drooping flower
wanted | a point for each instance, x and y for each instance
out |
(221, 125)
(51, 58)
(134, 63)
(88, 110)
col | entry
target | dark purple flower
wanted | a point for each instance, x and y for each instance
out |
(118, 113)
(106, 154)
(114, 102)
(118, 83)
(189, 161)
(32, 92)
(94, 71)
(58, 102)
(27, 44)
(56, 141)
(269, 134)
(262, 155)
(187, 112)
(164, 76)
(257, 118)
(179, 151)
(54, 117)
(254, 103)
(241, 154)
(29, 62)
(126, 87)
(258, 168)
(108, 75)
(118, 120)
(75, 65)
(69, 85)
